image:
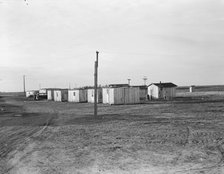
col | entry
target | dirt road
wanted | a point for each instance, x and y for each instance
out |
(18, 129)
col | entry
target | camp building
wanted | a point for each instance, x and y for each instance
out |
(118, 94)
(31, 93)
(61, 95)
(162, 90)
(90, 95)
(50, 93)
(77, 95)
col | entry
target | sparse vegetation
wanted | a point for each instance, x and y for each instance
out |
(185, 135)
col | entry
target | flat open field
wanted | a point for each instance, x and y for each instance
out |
(185, 135)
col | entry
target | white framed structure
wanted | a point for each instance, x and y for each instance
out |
(77, 95)
(50, 93)
(162, 91)
(121, 95)
(61, 95)
(90, 95)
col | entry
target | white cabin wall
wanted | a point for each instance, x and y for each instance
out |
(106, 95)
(72, 97)
(91, 95)
(153, 91)
(57, 95)
(111, 97)
(49, 95)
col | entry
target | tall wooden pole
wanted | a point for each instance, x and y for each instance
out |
(96, 84)
(24, 84)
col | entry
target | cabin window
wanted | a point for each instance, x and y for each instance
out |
(74, 93)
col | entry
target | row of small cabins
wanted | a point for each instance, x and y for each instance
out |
(112, 94)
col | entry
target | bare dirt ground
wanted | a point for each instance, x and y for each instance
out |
(163, 137)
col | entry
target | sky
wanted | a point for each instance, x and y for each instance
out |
(54, 42)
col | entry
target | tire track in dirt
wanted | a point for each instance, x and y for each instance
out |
(19, 144)
(210, 137)
(208, 168)
(193, 138)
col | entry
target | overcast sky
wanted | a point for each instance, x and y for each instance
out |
(53, 42)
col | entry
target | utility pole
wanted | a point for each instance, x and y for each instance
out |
(129, 82)
(95, 84)
(24, 85)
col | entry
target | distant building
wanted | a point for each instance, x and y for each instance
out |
(191, 88)
(61, 95)
(31, 93)
(90, 95)
(162, 91)
(50, 93)
(121, 95)
(43, 91)
(143, 92)
(77, 95)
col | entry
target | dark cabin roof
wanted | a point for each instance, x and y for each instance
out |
(141, 86)
(164, 85)
(118, 85)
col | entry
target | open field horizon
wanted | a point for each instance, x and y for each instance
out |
(198, 88)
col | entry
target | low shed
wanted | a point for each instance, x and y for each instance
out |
(90, 95)
(77, 95)
(61, 95)
(50, 93)
(143, 92)
(121, 95)
(31, 93)
(191, 88)
(162, 90)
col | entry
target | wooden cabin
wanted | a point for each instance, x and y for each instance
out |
(61, 95)
(143, 93)
(191, 88)
(77, 95)
(50, 93)
(121, 95)
(162, 91)
(90, 95)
